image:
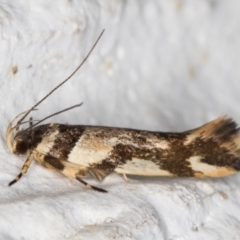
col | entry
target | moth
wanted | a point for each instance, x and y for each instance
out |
(212, 150)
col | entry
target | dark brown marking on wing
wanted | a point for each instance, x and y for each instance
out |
(65, 140)
(172, 160)
(42, 131)
(220, 147)
(214, 144)
(56, 163)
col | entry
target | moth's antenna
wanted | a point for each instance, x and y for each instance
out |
(84, 60)
(54, 114)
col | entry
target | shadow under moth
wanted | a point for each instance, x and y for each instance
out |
(212, 150)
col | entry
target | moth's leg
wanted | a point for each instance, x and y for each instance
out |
(98, 174)
(125, 177)
(90, 186)
(70, 170)
(75, 171)
(94, 175)
(24, 169)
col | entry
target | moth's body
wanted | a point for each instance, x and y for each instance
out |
(212, 150)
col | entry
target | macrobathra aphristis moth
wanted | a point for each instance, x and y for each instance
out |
(212, 150)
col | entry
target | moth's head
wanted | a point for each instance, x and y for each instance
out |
(22, 142)
(18, 142)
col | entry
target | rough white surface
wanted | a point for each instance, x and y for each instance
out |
(167, 65)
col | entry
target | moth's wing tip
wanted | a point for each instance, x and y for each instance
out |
(225, 132)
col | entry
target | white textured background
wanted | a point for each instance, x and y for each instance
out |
(167, 65)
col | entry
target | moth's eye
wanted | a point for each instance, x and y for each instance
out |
(21, 147)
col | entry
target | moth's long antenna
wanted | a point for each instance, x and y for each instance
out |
(54, 114)
(84, 60)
